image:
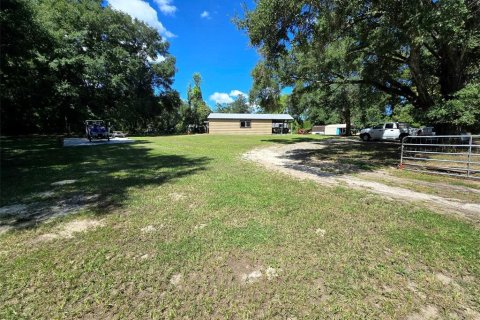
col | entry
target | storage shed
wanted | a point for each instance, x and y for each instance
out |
(335, 129)
(247, 123)
(338, 129)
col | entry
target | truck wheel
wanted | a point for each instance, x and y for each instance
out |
(402, 136)
(366, 137)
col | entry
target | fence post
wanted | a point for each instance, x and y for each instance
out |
(401, 153)
(469, 159)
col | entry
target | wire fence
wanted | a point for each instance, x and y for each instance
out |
(448, 155)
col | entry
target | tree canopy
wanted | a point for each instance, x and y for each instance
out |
(240, 105)
(420, 53)
(65, 61)
(199, 108)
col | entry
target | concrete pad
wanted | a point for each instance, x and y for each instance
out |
(77, 142)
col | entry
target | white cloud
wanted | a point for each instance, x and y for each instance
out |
(166, 7)
(142, 11)
(205, 14)
(222, 97)
(219, 97)
(236, 93)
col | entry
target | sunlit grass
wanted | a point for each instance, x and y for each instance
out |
(214, 215)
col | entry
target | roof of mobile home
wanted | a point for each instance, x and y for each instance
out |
(249, 116)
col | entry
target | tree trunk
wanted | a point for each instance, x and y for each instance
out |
(452, 71)
(348, 119)
(423, 99)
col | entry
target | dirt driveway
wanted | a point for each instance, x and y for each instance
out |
(368, 167)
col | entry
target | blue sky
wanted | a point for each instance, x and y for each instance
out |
(203, 39)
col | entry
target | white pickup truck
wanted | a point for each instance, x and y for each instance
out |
(393, 131)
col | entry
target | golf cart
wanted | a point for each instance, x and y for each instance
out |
(96, 129)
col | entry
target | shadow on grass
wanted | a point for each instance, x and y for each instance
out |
(40, 180)
(291, 141)
(345, 156)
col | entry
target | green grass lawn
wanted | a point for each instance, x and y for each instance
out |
(222, 238)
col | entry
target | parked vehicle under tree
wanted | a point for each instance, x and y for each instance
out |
(393, 131)
(96, 129)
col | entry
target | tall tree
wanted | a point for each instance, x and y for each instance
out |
(266, 87)
(240, 105)
(24, 47)
(196, 102)
(423, 51)
(94, 62)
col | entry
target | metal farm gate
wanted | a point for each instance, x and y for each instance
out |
(448, 155)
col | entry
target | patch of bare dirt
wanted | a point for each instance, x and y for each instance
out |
(176, 196)
(321, 232)
(428, 312)
(271, 273)
(445, 280)
(68, 230)
(44, 195)
(6, 212)
(286, 158)
(247, 273)
(13, 209)
(293, 160)
(148, 229)
(472, 314)
(176, 279)
(63, 182)
(381, 174)
(25, 215)
(74, 203)
(467, 210)
(242, 268)
(252, 277)
(413, 287)
(200, 226)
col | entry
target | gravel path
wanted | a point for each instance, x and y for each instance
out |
(291, 159)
